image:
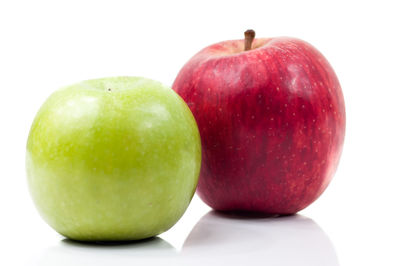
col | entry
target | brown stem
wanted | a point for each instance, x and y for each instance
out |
(248, 39)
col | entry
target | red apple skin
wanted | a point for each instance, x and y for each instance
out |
(271, 120)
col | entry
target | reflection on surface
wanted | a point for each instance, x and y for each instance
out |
(291, 240)
(69, 253)
(217, 239)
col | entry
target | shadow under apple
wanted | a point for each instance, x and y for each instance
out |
(69, 252)
(220, 238)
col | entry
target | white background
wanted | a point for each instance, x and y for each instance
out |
(45, 45)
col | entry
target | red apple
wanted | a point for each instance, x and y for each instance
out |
(271, 117)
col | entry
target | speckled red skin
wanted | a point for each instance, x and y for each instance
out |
(272, 123)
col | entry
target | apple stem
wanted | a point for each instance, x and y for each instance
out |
(248, 39)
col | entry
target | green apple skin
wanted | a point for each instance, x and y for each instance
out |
(113, 159)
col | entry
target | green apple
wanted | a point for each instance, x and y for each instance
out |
(113, 159)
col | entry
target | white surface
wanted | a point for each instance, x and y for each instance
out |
(48, 44)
